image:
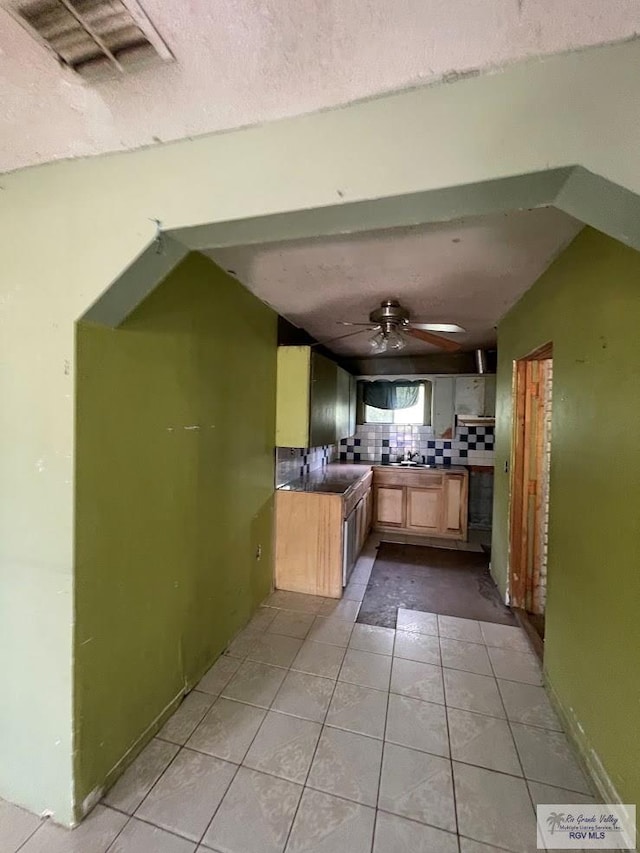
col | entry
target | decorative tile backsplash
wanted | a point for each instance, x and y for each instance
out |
(295, 462)
(473, 445)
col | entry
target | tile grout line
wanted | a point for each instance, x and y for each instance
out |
(384, 742)
(515, 744)
(383, 739)
(287, 670)
(323, 726)
(124, 826)
(43, 821)
(315, 750)
(446, 718)
(528, 725)
(259, 729)
(181, 748)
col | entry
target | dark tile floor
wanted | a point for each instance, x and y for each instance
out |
(434, 580)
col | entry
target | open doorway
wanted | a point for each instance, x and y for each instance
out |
(529, 517)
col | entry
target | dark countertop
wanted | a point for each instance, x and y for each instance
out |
(452, 469)
(338, 477)
(334, 479)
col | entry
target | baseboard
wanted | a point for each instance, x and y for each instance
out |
(94, 797)
(535, 640)
(589, 759)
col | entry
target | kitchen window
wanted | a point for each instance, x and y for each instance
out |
(398, 402)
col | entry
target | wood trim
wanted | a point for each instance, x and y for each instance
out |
(541, 353)
(528, 480)
(527, 459)
(516, 578)
(533, 573)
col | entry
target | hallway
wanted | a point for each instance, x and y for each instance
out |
(315, 734)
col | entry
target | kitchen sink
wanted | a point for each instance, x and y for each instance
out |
(409, 465)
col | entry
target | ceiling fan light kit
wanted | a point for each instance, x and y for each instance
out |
(387, 338)
(391, 323)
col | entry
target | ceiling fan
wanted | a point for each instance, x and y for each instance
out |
(391, 323)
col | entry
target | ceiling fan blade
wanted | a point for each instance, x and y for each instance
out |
(339, 338)
(438, 327)
(346, 323)
(434, 340)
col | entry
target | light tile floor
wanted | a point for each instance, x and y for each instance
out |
(316, 735)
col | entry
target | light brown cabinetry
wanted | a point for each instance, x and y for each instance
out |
(363, 512)
(424, 510)
(454, 500)
(310, 532)
(389, 503)
(422, 502)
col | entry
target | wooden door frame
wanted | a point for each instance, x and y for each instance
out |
(520, 534)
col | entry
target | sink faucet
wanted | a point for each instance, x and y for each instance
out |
(410, 456)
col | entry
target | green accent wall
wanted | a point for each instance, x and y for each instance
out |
(588, 305)
(175, 426)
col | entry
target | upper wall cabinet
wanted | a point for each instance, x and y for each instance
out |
(475, 396)
(344, 407)
(315, 399)
(462, 398)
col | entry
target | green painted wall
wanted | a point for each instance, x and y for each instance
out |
(588, 304)
(174, 486)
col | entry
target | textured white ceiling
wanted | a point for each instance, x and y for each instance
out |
(241, 62)
(468, 272)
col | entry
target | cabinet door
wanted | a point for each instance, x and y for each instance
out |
(292, 396)
(490, 395)
(454, 514)
(443, 407)
(361, 511)
(369, 512)
(424, 510)
(365, 521)
(469, 395)
(353, 405)
(343, 404)
(324, 381)
(390, 505)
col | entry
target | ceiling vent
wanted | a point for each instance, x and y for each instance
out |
(95, 38)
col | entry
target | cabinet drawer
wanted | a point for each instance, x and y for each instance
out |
(398, 477)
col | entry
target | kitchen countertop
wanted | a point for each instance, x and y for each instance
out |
(335, 479)
(452, 469)
(338, 477)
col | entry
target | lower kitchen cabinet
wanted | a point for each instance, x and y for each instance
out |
(319, 536)
(422, 502)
